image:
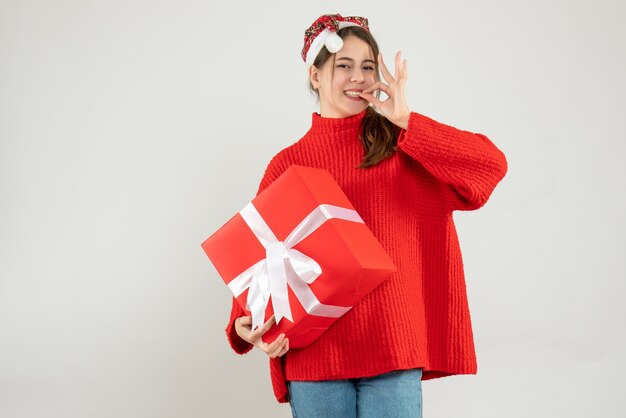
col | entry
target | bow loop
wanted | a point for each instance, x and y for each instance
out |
(285, 266)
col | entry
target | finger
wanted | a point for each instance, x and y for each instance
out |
(377, 86)
(373, 100)
(386, 73)
(279, 349)
(270, 321)
(245, 320)
(262, 345)
(268, 324)
(276, 347)
(284, 349)
(404, 71)
(265, 327)
(398, 65)
(270, 348)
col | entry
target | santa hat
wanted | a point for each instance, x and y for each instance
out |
(323, 32)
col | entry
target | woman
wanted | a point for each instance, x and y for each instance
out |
(405, 174)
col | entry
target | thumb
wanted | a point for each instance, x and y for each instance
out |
(245, 320)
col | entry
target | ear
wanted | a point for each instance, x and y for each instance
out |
(314, 76)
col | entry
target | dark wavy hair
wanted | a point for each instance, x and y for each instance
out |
(378, 135)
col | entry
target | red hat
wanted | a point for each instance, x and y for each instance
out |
(323, 32)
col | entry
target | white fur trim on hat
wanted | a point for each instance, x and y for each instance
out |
(328, 38)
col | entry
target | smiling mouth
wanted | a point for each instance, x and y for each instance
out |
(352, 93)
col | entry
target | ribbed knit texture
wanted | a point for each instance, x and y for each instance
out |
(420, 316)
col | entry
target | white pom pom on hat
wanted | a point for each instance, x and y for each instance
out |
(333, 42)
(323, 32)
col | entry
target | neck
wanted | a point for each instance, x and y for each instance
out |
(321, 124)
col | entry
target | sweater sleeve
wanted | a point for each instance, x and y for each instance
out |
(469, 163)
(274, 169)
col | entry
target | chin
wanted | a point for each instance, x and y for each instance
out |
(355, 107)
(358, 109)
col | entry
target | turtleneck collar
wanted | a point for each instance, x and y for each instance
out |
(323, 125)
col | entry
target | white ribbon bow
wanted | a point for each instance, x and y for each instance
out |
(269, 276)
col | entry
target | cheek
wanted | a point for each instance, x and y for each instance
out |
(338, 89)
(341, 81)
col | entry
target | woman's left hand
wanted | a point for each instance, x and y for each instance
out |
(394, 108)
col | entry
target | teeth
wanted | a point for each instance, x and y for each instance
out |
(352, 93)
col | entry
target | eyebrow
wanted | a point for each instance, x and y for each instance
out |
(350, 59)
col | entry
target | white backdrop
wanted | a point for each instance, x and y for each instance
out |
(131, 130)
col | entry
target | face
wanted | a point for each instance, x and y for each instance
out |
(354, 69)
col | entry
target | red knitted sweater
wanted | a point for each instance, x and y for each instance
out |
(419, 317)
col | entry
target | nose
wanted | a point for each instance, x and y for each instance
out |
(357, 76)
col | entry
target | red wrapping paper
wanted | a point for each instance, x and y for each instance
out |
(351, 259)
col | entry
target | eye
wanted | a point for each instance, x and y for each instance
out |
(342, 65)
(370, 68)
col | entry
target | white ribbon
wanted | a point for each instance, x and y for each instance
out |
(270, 276)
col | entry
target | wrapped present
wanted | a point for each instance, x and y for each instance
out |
(298, 250)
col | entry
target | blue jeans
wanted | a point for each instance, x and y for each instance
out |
(394, 394)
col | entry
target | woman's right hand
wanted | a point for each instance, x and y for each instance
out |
(243, 326)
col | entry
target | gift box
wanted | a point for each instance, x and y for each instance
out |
(298, 250)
